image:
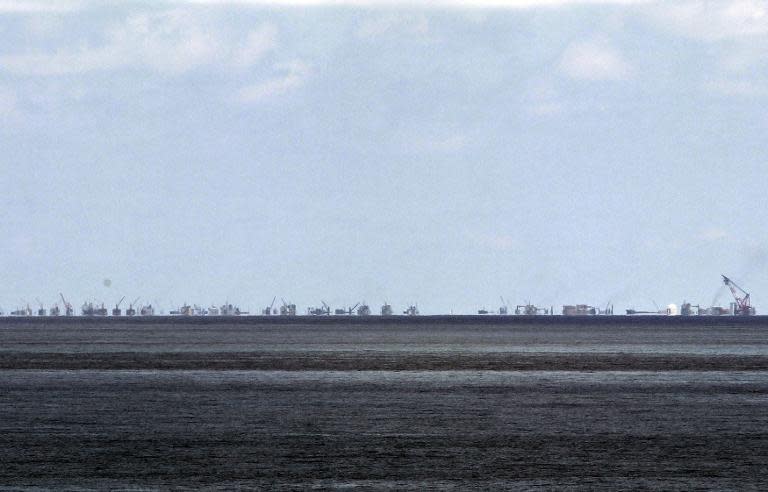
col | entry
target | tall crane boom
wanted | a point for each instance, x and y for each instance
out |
(67, 306)
(743, 302)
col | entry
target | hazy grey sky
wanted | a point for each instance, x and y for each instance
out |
(562, 152)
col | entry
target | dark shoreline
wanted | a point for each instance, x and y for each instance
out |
(474, 319)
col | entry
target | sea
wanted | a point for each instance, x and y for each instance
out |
(427, 404)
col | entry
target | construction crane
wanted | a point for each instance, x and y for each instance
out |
(41, 310)
(530, 309)
(346, 311)
(364, 309)
(268, 310)
(68, 310)
(287, 309)
(504, 309)
(320, 311)
(131, 311)
(413, 310)
(742, 306)
(116, 311)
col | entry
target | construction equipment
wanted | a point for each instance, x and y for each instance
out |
(228, 310)
(41, 309)
(287, 309)
(268, 310)
(386, 309)
(68, 310)
(742, 306)
(413, 310)
(116, 311)
(607, 311)
(503, 309)
(27, 311)
(686, 309)
(364, 309)
(89, 309)
(529, 309)
(715, 311)
(347, 311)
(320, 311)
(54, 311)
(147, 310)
(131, 311)
(185, 310)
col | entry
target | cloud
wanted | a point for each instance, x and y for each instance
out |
(593, 59)
(433, 137)
(713, 234)
(293, 76)
(443, 144)
(713, 20)
(38, 6)
(43, 6)
(398, 23)
(498, 242)
(170, 42)
(543, 100)
(499, 4)
(256, 45)
(737, 88)
(8, 102)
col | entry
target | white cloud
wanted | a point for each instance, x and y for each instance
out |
(38, 6)
(256, 45)
(738, 88)
(393, 22)
(498, 242)
(713, 20)
(442, 144)
(174, 41)
(713, 234)
(293, 76)
(550, 108)
(502, 4)
(594, 59)
(743, 56)
(542, 99)
(8, 102)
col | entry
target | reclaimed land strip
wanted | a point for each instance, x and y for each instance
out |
(379, 361)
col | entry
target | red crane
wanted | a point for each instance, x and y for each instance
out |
(743, 306)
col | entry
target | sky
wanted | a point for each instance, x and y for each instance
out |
(442, 153)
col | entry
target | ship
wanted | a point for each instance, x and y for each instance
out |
(89, 309)
(579, 310)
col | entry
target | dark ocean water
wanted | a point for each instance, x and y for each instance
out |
(421, 406)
